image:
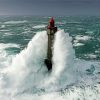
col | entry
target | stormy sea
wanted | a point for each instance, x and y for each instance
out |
(75, 72)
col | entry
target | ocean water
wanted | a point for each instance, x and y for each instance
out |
(76, 58)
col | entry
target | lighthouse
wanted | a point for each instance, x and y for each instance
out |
(51, 30)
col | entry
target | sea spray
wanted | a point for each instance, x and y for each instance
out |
(5, 58)
(64, 54)
(63, 61)
(28, 78)
(28, 70)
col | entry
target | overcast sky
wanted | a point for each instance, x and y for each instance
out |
(49, 7)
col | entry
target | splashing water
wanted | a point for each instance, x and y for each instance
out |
(28, 74)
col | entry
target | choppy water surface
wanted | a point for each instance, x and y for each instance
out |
(76, 59)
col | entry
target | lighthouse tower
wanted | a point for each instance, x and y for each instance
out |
(51, 30)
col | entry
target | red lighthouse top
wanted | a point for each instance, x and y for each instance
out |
(51, 20)
(51, 23)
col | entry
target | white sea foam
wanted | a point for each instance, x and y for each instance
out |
(15, 22)
(89, 32)
(97, 51)
(61, 23)
(79, 38)
(29, 64)
(3, 45)
(27, 77)
(39, 26)
(63, 59)
(74, 93)
(78, 44)
(84, 38)
(7, 34)
(2, 26)
(91, 55)
(5, 59)
(4, 30)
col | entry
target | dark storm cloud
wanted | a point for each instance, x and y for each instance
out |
(49, 7)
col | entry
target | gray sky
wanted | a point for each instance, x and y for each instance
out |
(49, 7)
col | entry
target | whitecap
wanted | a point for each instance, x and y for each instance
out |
(7, 45)
(15, 22)
(39, 26)
(83, 38)
(78, 44)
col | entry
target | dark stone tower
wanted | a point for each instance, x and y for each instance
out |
(51, 30)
